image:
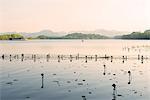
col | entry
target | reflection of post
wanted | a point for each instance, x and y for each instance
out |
(91, 57)
(104, 70)
(105, 56)
(78, 56)
(126, 58)
(128, 49)
(42, 80)
(129, 82)
(32, 56)
(138, 57)
(114, 92)
(17, 56)
(61, 57)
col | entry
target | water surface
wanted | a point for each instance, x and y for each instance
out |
(71, 78)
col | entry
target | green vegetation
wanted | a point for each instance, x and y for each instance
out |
(137, 35)
(47, 37)
(30, 38)
(134, 35)
(75, 36)
(84, 36)
(42, 37)
(11, 37)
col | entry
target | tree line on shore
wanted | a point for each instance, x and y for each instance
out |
(11, 36)
(136, 35)
(133, 35)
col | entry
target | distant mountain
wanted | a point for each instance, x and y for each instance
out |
(135, 35)
(84, 36)
(35, 34)
(110, 33)
(49, 33)
(75, 36)
(45, 33)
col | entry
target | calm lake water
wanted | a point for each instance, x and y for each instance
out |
(59, 70)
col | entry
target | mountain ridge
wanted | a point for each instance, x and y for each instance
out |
(47, 32)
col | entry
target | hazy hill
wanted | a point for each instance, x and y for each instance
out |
(35, 34)
(46, 33)
(109, 33)
(75, 36)
(50, 33)
(136, 35)
(84, 36)
(97, 34)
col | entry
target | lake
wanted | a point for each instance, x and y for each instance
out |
(75, 70)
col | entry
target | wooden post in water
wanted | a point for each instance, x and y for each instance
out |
(114, 91)
(105, 56)
(22, 57)
(58, 58)
(17, 56)
(10, 57)
(70, 58)
(122, 59)
(104, 70)
(47, 57)
(142, 58)
(95, 57)
(85, 59)
(42, 80)
(61, 57)
(78, 56)
(3, 56)
(34, 58)
(138, 57)
(129, 72)
(126, 58)
(83, 97)
(111, 58)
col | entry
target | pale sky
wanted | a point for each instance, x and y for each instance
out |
(74, 15)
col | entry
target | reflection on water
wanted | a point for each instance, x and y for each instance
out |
(103, 73)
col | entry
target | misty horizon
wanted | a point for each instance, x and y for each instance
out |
(74, 15)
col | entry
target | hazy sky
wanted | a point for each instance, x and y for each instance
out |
(73, 15)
